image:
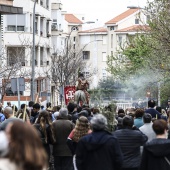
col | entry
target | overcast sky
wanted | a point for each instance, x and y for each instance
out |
(103, 10)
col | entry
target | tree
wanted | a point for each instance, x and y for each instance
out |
(65, 65)
(147, 54)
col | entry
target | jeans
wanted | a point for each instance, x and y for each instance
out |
(63, 162)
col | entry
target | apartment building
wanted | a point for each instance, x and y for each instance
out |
(65, 29)
(122, 26)
(94, 45)
(17, 41)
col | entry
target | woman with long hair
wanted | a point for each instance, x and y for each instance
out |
(81, 129)
(45, 129)
(25, 151)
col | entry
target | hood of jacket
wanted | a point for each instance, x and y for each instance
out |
(158, 147)
(97, 139)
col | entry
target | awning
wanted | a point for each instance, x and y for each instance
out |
(6, 9)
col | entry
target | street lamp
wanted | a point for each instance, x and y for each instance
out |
(33, 56)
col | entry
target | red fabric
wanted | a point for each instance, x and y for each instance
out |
(69, 92)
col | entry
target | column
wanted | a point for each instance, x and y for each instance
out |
(38, 56)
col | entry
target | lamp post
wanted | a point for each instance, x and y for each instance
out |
(33, 55)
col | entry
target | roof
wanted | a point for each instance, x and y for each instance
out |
(72, 19)
(134, 28)
(100, 29)
(122, 16)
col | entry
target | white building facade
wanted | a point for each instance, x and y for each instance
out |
(18, 40)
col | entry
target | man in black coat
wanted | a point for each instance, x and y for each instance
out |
(99, 150)
(130, 140)
(156, 153)
(153, 112)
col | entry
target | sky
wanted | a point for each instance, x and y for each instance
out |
(101, 10)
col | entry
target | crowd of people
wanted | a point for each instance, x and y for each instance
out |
(80, 138)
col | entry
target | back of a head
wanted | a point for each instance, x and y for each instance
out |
(82, 121)
(48, 105)
(28, 141)
(36, 106)
(147, 118)
(31, 103)
(159, 126)
(121, 111)
(151, 103)
(23, 106)
(8, 110)
(83, 113)
(128, 121)
(63, 112)
(139, 113)
(71, 107)
(98, 122)
(44, 115)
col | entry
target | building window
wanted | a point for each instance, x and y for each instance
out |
(16, 22)
(20, 28)
(120, 40)
(86, 55)
(86, 74)
(104, 57)
(112, 28)
(11, 28)
(104, 74)
(136, 21)
(15, 55)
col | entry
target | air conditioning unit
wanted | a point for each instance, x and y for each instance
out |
(54, 27)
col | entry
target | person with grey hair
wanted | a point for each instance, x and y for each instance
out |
(100, 149)
(63, 112)
(61, 152)
(9, 118)
(99, 122)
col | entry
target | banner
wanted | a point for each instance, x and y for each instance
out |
(69, 92)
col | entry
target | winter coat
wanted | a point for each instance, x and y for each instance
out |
(130, 141)
(99, 150)
(154, 113)
(154, 154)
(62, 128)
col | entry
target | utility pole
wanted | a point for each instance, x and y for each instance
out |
(33, 55)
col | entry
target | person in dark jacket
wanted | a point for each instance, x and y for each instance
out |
(130, 141)
(63, 159)
(156, 153)
(153, 112)
(99, 150)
